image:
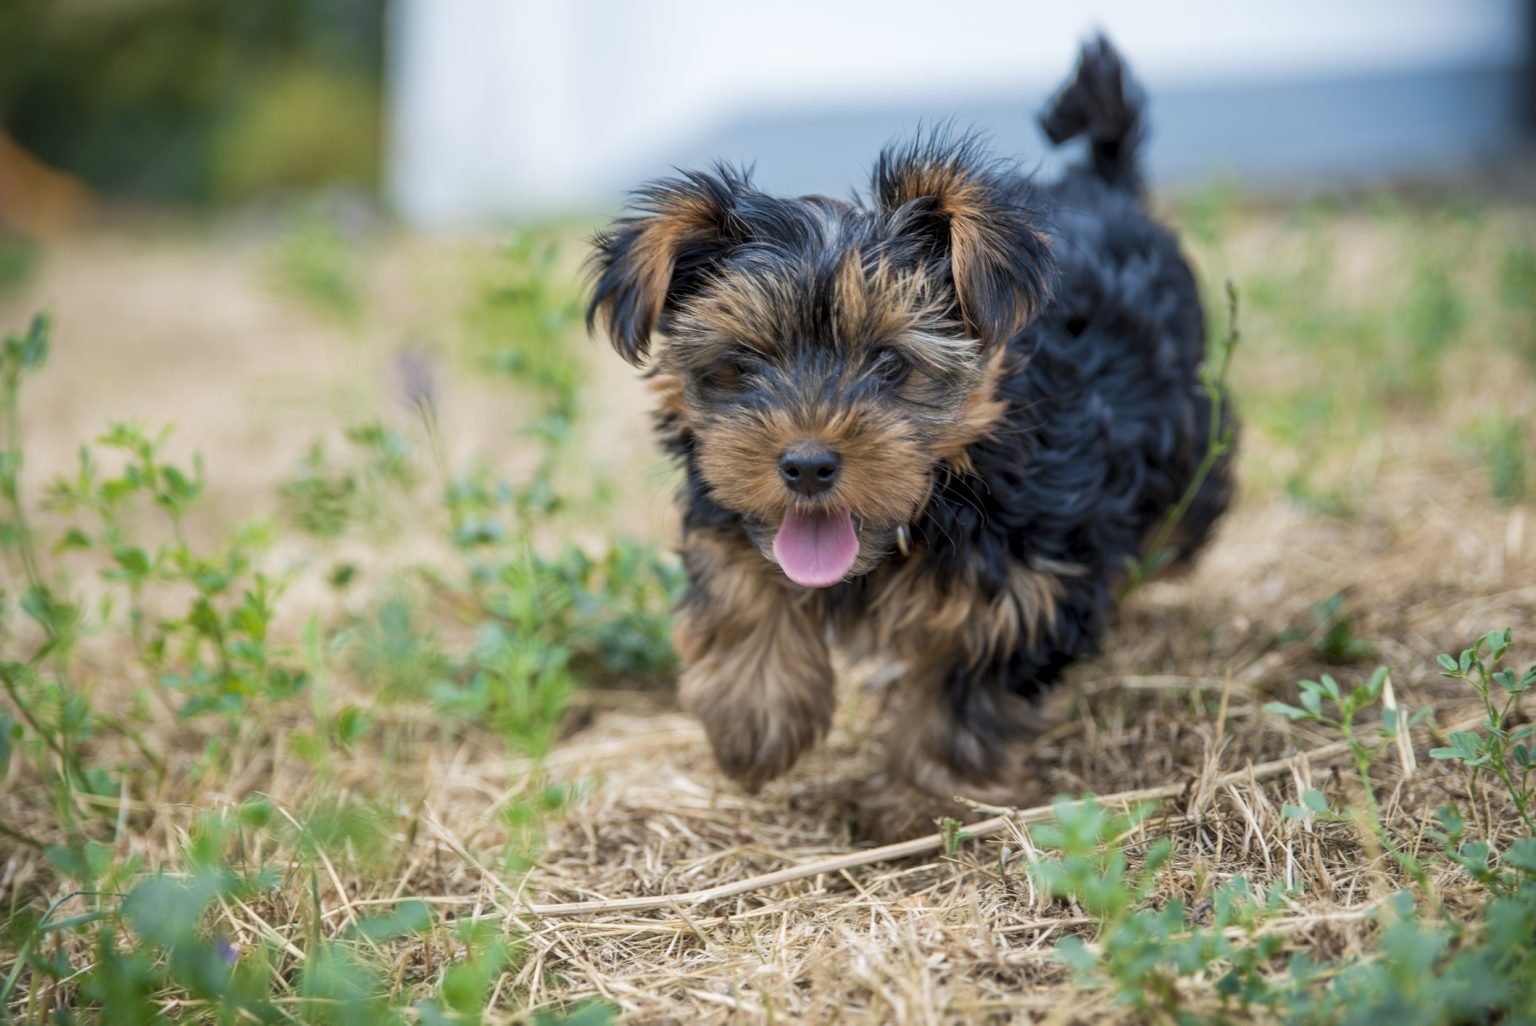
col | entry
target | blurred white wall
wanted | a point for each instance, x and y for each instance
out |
(518, 107)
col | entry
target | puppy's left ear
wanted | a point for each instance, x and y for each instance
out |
(976, 216)
(659, 254)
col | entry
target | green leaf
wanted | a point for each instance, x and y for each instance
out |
(1521, 855)
(463, 988)
(1497, 643)
(307, 745)
(42, 605)
(1157, 856)
(134, 561)
(166, 911)
(1523, 683)
(1446, 662)
(1312, 700)
(1075, 954)
(590, 1013)
(352, 725)
(255, 813)
(1467, 744)
(74, 538)
(34, 347)
(1290, 712)
(953, 833)
(204, 618)
(431, 1014)
(1315, 800)
(85, 864)
(409, 917)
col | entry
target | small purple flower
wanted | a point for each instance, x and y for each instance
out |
(416, 379)
(227, 951)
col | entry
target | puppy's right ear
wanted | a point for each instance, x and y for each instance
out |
(659, 254)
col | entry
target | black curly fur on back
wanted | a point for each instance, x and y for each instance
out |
(1106, 422)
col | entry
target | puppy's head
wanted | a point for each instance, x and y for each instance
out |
(827, 357)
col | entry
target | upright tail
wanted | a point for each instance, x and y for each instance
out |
(1104, 103)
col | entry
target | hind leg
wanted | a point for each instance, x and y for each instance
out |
(968, 709)
(939, 750)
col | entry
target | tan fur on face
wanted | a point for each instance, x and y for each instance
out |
(885, 476)
(889, 448)
(670, 401)
(758, 674)
(873, 305)
(980, 414)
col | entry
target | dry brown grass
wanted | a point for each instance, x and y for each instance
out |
(961, 938)
(1426, 559)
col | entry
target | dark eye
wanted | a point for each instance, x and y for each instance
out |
(726, 374)
(890, 366)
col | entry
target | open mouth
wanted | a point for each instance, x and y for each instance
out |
(816, 549)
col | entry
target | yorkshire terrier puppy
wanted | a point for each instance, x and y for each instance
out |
(938, 423)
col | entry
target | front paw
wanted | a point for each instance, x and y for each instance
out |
(758, 728)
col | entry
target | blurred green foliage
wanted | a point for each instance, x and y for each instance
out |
(196, 100)
(1500, 441)
(1331, 633)
(1371, 308)
(315, 261)
(1517, 293)
(500, 630)
(19, 258)
(520, 321)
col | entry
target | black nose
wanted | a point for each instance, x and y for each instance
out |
(809, 469)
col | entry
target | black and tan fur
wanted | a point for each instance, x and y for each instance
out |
(1008, 373)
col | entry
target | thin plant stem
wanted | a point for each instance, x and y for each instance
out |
(1218, 443)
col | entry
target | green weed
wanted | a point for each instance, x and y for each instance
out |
(1517, 295)
(1432, 320)
(19, 260)
(520, 321)
(1423, 967)
(1328, 703)
(327, 495)
(316, 263)
(1331, 633)
(109, 936)
(1501, 444)
(1502, 748)
(1221, 438)
(1151, 959)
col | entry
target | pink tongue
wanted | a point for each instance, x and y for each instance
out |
(816, 549)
